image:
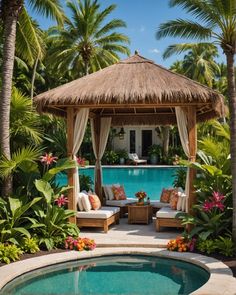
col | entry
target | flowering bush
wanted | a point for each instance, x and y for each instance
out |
(181, 244)
(61, 200)
(140, 195)
(79, 244)
(215, 201)
(48, 159)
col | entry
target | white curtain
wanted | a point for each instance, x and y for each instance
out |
(182, 123)
(79, 130)
(105, 125)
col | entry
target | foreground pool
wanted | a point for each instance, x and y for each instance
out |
(123, 274)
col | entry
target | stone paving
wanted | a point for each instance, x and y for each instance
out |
(131, 235)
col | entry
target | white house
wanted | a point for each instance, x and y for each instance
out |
(136, 139)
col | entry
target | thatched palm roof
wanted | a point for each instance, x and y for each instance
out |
(134, 86)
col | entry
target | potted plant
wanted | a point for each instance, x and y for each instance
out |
(154, 153)
(123, 156)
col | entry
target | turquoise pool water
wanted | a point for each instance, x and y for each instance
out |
(151, 180)
(129, 274)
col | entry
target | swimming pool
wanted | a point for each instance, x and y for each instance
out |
(119, 274)
(149, 179)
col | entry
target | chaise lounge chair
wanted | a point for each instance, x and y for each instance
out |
(135, 159)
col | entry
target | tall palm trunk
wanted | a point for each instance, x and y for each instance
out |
(232, 107)
(10, 13)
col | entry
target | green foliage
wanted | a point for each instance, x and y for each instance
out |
(52, 221)
(86, 44)
(208, 246)
(30, 245)
(110, 157)
(9, 253)
(16, 222)
(85, 182)
(180, 177)
(155, 149)
(122, 153)
(225, 245)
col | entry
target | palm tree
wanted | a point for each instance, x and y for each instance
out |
(215, 20)
(87, 44)
(10, 12)
(198, 63)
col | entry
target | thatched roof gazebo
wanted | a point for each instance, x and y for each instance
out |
(135, 91)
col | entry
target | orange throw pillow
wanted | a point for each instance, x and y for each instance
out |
(174, 200)
(165, 195)
(95, 202)
(119, 193)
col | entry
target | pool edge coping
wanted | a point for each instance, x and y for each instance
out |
(221, 280)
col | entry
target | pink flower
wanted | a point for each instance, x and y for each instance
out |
(218, 197)
(81, 161)
(192, 244)
(48, 159)
(61, 201)
(207, 206)
(219, 205)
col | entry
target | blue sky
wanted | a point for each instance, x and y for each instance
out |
(142, 18)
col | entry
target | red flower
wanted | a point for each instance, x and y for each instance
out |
(81, 162)
(48, 159)
(207, 206)
(61, 201)
(217, 197)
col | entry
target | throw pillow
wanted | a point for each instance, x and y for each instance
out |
(95, 202)
(180, 200)
(184, 202)
(165, 195)
(86, 204)
(109, 192)
(174, 200)
(79, 201)
(119, 193)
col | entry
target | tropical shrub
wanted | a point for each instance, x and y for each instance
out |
(110, 157)
(86, 182)
(206, 246)
(52, 218)
(9, 253)
(180, 177)
(225, 246)
(16, 220)
(30, 245)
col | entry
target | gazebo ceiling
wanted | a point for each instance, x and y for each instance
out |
(133, 91)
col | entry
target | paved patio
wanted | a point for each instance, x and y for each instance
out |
(131, 235)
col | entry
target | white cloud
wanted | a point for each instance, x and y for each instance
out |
(154, 50)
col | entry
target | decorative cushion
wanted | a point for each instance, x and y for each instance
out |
(174, 200)
(165, 195)
(184, 202)
(180, 200)
(108, 191)
(102, 213)
(119, 193)
(86, 204)
(79, 201)
(95, 202)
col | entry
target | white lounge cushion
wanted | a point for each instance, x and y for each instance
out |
(103, 213)
(79, 201)
(167, 212)
(158, 204)
(86, 203)
(120, 203)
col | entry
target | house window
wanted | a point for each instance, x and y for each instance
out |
(132, 140)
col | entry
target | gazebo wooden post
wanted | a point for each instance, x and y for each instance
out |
(70, 173)
(192, 134)
(98, 178)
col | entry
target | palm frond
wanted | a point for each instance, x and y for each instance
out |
(184, 29)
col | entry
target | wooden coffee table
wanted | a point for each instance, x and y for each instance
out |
(139, 213)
